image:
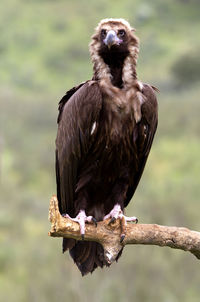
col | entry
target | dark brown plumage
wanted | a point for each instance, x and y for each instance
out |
(105, 131)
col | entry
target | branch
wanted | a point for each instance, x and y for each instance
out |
(109, 235)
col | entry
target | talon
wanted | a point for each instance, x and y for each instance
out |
(112, 220)
(122, 238)
(81, 218)
(66, 216)
(117, 213)
(123, 228)
(95, 221)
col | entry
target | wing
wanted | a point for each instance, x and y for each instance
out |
(73, 141)
(65, 99)
(143, 136)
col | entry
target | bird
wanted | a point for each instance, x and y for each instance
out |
(106, 127)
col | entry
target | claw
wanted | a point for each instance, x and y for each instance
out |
(112, 220)
(122, 238)
(66, 216)
(94, 221)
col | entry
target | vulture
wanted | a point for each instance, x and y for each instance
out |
(106, 126)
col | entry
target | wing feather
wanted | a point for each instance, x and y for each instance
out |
(66, 98)
(143, 136)
(73, 140)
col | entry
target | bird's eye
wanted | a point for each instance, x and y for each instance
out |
(121, 33)
(103, 33)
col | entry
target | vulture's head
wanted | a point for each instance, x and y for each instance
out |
(113, 42)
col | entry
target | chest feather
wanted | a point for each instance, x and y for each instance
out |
(119, 120)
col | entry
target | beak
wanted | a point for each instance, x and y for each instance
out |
(111, 39)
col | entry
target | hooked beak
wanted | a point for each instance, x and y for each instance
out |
(111, 39)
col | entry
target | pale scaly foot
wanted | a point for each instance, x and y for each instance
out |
(116, 213)
(81, 218)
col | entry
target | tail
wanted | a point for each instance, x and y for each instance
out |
(87, 255)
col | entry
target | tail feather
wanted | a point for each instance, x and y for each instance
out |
(68, 244)
(87, 255)
(87, 264)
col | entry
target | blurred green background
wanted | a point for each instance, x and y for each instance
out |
(43, 53)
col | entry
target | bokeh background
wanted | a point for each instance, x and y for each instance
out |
(43, 53)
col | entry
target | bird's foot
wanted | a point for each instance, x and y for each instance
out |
(116, 213)
(81, 218)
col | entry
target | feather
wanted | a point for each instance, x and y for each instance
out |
(106, 128)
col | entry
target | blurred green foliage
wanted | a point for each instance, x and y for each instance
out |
(44, 52)
(187, 68)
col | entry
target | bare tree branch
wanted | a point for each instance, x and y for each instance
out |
(109, 235)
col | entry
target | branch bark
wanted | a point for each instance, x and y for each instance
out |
(109, 235)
